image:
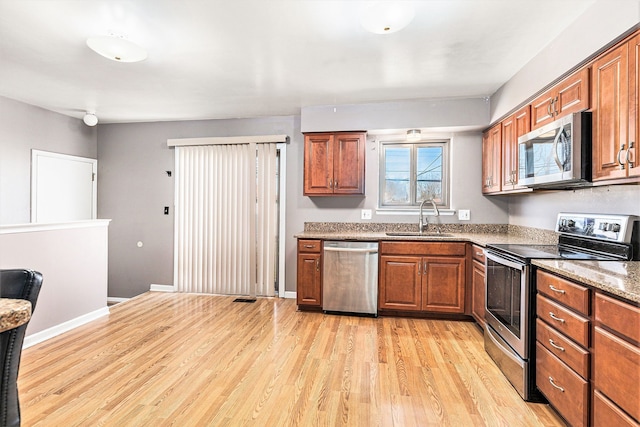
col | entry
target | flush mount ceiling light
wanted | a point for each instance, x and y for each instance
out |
(414, 135)
(117, 48)
(90, 119)
(385, 17)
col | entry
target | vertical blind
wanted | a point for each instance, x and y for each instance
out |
(226, 219)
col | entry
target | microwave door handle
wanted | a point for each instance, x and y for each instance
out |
(556, 141)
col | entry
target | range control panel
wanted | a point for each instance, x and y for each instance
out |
(612, 228)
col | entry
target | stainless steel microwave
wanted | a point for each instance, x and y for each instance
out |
(557, 155)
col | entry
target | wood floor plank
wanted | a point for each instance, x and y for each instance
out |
(199, 360)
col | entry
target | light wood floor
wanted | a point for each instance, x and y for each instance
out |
(194, 360)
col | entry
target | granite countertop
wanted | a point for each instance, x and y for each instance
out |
(481, 239)
(620, 278)
(13, 313)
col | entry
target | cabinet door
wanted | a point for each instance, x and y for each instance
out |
(509, 147)
(633, 161)
(542, 109)
(309, 286)
(318, 164)
(443, 284)
(569, 96)
(478, 292)
(348, 163)
(616, 370)
(513, 128)
(400, 282)
(573, 94)
(491, 161)
(610, 112)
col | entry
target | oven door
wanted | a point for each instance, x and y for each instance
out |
(507, 301)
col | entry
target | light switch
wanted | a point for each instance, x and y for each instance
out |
(365, 214)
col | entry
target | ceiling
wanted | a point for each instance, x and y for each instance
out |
(251, 58)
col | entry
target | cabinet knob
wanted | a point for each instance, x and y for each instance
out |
(553, 383)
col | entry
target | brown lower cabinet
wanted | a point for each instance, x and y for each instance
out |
(478, 286)
(422, 277)
(309, 273)
(587, 353)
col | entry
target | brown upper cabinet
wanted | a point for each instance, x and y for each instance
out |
(491, 160)
(513, 127)
(569, 96)
(334, 163)
(615, 112)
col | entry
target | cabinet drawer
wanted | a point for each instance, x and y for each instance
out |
(607, 414)
(616, 370)
(564, 320)
(565, 390)
(576, 357)
(618, 316)
(478, 253)
(422, 248)
(309, 245)
(565, 292)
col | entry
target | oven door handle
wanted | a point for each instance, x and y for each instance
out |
(500, 260)
(507, 351)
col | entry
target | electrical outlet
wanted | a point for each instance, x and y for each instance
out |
(365, 214)
(464, 214)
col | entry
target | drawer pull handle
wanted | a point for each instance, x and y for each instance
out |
(552, 381)
(554, 317)
(309, 246)
(554, 289)
(479, 253)
(554, 345)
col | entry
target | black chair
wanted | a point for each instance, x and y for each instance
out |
(16, 284)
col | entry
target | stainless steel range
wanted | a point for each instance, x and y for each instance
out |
(510, 280)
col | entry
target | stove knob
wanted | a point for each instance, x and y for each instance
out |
(615, 228)
(571, 223)
(603, 226)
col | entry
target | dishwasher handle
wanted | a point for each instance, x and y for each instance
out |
(360, 250)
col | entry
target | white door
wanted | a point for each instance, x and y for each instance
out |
(63, 187)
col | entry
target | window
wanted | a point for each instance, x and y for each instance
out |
(413, 172)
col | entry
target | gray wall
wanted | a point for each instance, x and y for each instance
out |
(602, 23)
(24, 127)
(540, 209)
(134, 188)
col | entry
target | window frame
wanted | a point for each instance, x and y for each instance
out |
(413, 203)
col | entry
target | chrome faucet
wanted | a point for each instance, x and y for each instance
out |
(422, 224)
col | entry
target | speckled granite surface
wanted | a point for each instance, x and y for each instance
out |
(480, 234)
(13, 313)
(620, 278)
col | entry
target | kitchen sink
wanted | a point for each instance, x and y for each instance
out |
(416, 234)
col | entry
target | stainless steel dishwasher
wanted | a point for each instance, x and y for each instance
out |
(350, 277)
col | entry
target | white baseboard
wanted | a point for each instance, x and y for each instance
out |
(161, 288)
(116, 300)
(290, 294)
(63, 327)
